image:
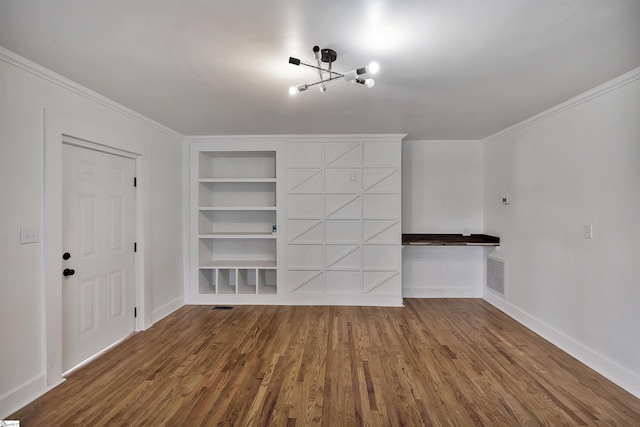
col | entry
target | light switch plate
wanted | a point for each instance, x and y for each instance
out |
(29, 234)
(588, 231)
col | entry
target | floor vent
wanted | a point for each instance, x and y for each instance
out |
(496, 275)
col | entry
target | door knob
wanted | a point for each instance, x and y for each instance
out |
(66, 256)
(68, 272)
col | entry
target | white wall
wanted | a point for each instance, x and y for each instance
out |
(25, 89)
(578, 164)
(442, 192)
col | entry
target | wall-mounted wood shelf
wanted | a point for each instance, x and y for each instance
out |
(449, 240)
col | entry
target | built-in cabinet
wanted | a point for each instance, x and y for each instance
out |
(296, 220)
(343, 218)
(234, 219)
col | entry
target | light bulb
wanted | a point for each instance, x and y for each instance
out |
(295, 89)
(369, 83)
(351, 75)
(373, 68)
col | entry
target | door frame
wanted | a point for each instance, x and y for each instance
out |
(86, 146)
(60, 128)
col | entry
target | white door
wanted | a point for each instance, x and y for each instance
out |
(98, 290)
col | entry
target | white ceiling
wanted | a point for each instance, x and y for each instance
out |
(449, 69)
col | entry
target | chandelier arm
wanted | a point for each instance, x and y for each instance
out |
(323, 81)
(323, 87)
(319, 69)
(331, 72)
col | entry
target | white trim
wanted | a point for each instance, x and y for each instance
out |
(58, 125)
(98, 354)
(442, 292)
(297, 299)
(52, 242)
(23, 63)
(214, 138)
(623, 377)
(101, 148)
(186, 221)
(23, 395)
(447, 141)
(604, 88)
(167, 309)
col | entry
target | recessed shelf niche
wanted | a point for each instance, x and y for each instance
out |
(234, 208)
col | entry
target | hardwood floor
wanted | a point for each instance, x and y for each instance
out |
(440, 362)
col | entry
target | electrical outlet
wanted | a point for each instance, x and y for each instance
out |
(29, 234)
(588, 231)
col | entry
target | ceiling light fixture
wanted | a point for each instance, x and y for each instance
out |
(327, 74)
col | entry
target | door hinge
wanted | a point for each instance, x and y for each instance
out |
(135, 246)
(135, 181)
(135, 311)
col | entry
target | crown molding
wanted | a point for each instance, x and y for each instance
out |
(199, 138)
(600, 90)
(27, 65)
(443, 141)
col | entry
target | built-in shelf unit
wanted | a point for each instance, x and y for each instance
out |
(295, 220)
(234, 220)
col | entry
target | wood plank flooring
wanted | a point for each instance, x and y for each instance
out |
(436, 362)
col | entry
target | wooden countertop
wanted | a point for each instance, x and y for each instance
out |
(449, 240)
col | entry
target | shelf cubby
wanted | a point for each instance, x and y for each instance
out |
(207, 281)
(267, 280)
(247, 281)
(239, 221)
(236, 165)
(249, 250)
(226, 280)
(237, 194)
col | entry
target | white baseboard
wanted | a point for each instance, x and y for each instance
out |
(605, 367)
(22, 395)
(441, 293)
(297, 299)
(166, 309)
